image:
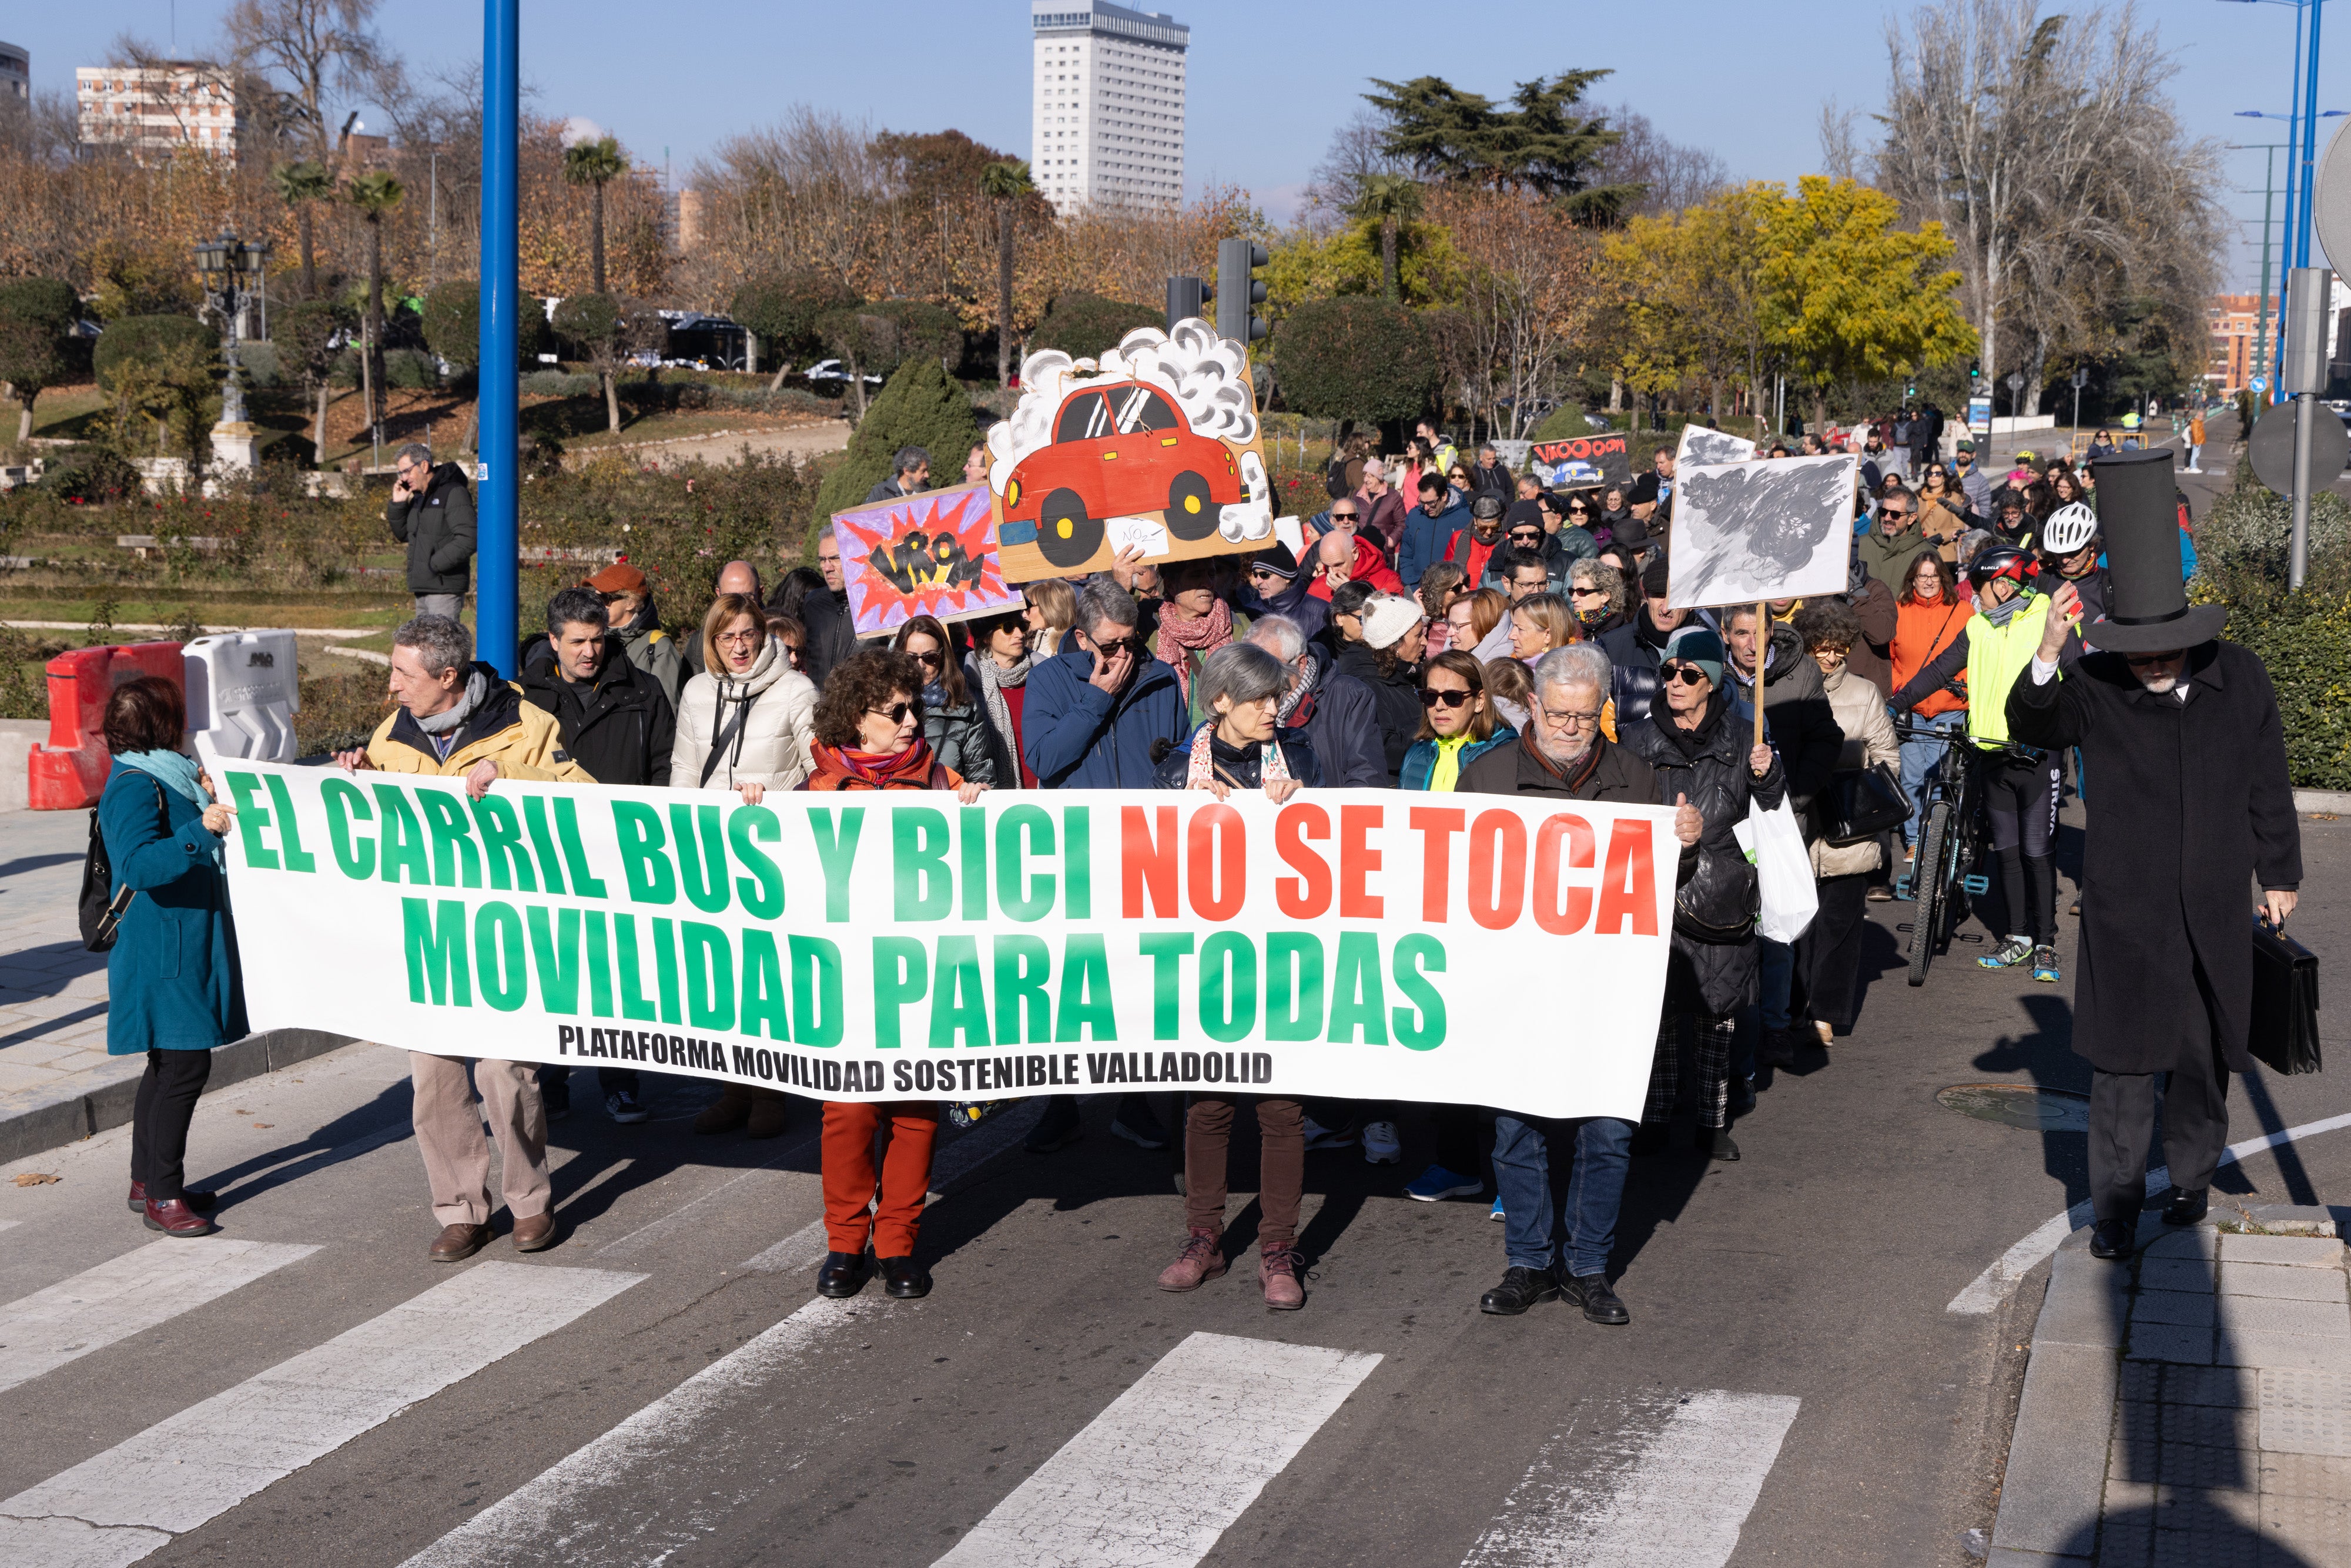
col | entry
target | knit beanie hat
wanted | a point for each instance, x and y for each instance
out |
(1387, 618)
(1697, 644)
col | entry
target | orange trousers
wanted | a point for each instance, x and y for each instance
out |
(849, 1174)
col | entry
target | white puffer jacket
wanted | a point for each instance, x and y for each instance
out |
(1868, 740)
(771, 745)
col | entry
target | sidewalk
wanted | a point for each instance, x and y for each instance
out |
(2190, 1405)
(56, 1081)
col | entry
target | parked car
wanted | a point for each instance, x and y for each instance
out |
(830, 371)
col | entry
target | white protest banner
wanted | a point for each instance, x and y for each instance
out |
(1700, 444)
(1746, 532)
(1358, 942)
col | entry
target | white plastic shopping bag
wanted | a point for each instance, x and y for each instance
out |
(1783, 871)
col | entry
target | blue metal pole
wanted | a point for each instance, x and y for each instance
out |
(2285, 238)
(498, 502)
(2301, 225)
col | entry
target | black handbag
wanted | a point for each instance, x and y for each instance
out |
(1864, 802)
(2284, 1033)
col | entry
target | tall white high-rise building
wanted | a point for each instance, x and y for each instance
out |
(155, 109)
(1109, 116)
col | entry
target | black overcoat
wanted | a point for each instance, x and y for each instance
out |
(2188, 806)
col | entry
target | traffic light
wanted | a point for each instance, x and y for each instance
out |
(1910, 393)
(1186, 298)
(1238, 290)
(1975, 371)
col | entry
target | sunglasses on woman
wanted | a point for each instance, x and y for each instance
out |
(896, 713)
(933, 658)
(1430, 696)
(1687, 675)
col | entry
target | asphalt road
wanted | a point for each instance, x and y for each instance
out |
(664, 1386)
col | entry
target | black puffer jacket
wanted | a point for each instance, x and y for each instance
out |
(1395, 698)
(1245, 765)
(437, 527)
(1635, 648)
(620, 727)
(1714, 959)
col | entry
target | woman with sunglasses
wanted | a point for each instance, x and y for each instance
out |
(869, 737)
(953, 723)
(1566, 527)
(1239, 746)
(998, 672)
(1943, 514)
(744, 723)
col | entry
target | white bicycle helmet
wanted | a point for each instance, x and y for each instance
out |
(2068, 529)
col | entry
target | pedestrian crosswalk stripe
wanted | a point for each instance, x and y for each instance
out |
(604, 1503)
(1660, 1482)
(194, 1466)
(127, 1295)
(1172, 1462)
(805, 1247)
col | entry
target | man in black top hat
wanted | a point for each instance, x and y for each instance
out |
(2182, 733)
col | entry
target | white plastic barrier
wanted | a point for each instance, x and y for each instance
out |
(244, 688)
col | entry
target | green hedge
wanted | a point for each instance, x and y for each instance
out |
(2303, 639)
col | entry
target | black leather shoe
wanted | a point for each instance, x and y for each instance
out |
(1521, 1288)
(1719, 1144)
(2187, 1206)
(905, 1279)
(2112, 1238)
(843, 1274)
(1591, 1292)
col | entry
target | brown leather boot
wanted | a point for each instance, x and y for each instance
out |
(727, 1113)
(201, 1202)
(172, 1217)
(1202, 1260)
(1277, 1273)
(535, 1234)
(768, 1110)
(458, 1242)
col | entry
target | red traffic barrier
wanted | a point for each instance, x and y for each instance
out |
(71, 770)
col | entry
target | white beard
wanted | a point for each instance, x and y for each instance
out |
(2159, 684)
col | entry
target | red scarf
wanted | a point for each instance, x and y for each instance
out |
(1200, 636)
(838, 768)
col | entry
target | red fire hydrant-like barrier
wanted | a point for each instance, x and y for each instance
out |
(69, 771)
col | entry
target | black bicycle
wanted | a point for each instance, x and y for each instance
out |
(1951, 841)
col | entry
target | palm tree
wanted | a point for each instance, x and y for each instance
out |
(299, 185)
(1389, 201)
(374, 195)
(1007, 184)
(593, 164)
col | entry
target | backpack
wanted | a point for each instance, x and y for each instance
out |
(102, 904)
(1334, 478)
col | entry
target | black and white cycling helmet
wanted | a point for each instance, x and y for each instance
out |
(2068, 529)
(2000, 561)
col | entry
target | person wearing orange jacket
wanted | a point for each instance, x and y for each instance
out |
(1931, 610)
(869, 736)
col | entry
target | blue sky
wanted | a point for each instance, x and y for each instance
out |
(1269, 82)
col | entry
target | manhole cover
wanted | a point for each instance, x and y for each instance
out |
(2019, 1105)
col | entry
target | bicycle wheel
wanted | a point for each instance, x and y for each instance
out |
(1926, 880)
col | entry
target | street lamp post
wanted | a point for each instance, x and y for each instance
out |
(2295, 243)
(2081, 379)
(2261, 276)
(231, 271)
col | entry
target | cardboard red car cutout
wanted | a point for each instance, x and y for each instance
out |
(1120, 448)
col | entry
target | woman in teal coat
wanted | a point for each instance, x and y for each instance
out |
(173, 986)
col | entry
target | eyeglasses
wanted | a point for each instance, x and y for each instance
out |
(739, 639)
(1430, 696)
(1581, 589)
(1344, 517)
(1839, 649)
(1568, 720)
(2135, 659)
(896, 713)
(1893, 511)
(1111, 649)
(934, 658)
(1260, 574)
(1687, 675)
(792, 652)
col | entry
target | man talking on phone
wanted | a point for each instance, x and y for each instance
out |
(1095, 709)
(431, 512)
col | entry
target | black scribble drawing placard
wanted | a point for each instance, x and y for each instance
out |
(1745, 532)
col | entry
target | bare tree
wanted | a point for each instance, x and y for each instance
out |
(1671, 174)
(313, 57)
(2048, 150)
(1840, 156)
(1357, 154)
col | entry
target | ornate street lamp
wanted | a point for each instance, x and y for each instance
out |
(230, 271)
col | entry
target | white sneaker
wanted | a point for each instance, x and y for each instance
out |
(1318, 1136)
(1380, 1145)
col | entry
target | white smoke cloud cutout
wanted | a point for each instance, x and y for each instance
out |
(1201, 372)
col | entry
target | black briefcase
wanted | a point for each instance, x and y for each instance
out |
(2284, 1037)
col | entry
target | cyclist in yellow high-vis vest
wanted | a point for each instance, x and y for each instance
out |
(2019, 797)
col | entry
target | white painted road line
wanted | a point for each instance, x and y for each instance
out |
(950, 1162)
(602, 1505)
(1168, 1467)
(119, 1506)
(127, 1295)
(1689, 1482)
(1988, 1289)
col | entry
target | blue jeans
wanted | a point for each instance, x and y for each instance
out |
(1919, 759)
(1595, 1189)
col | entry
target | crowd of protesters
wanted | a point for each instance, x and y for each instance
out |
(1446, 626)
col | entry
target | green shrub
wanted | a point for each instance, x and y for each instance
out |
(147, 339)
(1357, 358)
(410, 368)
(259, 363)
(2242, 545)
(782, 309)
(1564, 423)
(91, 474)
(1087, 326)
(919, 407)
(559, 384)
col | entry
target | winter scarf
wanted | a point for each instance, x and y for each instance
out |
(1201, 636)
(1584, 770)
(993, 678)
(450, 719)
(1202, 770)
(2002, 614)
(174, 772)
(841, 768)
